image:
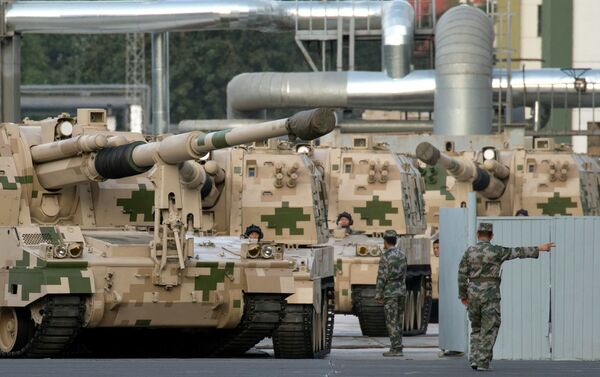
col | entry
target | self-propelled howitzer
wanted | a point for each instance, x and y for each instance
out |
(98, 233)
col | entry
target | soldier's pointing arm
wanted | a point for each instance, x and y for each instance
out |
(463, 273)
(508, 253)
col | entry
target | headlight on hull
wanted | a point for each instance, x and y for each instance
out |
(254, 251)
(267, 252)
(362, 251)
(375, 252)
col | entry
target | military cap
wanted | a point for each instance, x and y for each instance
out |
(254, 229)
(485, 227)
(346, 215)
(390, 233)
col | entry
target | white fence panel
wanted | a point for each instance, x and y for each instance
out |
(576, 289)
(525, 289)
(452, 314)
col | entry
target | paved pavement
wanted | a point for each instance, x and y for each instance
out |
(352, 355)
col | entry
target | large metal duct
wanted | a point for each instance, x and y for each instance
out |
(397, 38)
(94, 17)
(250, 94)
(464, 41)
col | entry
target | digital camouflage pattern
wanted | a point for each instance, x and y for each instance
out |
(271, 185)
(479, 282)
(274, 187)
(394, 320)
(391, 275)
(545, 180)
(125, 246)
(391, 287)
(380, 190)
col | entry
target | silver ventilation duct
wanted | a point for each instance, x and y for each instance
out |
(464, 39)
(94, 17)
(397, 38)
(249, 94)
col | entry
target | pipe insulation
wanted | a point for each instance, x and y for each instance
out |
(464, 39)
(250, 94)
(94, 17)
(397, 38)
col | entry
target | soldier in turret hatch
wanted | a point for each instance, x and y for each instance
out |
(479, 290)
(344, 221)
(253, 232)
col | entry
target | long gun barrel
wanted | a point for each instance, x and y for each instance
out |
(463, 170)
(138, 157)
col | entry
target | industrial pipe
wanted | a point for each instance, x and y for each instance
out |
(464, 39)
(249, 94)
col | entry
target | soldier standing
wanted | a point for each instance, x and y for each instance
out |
(479, 290)
(391, 290)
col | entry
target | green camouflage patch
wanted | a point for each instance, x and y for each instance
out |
(31, 280)
(49, 234)
(335, 167)
(344, 292)
(237, 170)
(376, 210)
(208, 283)
(6, 185)
(140, 202)
(338, 266)
(237, 304)
(34, 194)
(143, 322)
(286, 217)
(435, 180)
(24, 179)
(556, 205)
(519, 167)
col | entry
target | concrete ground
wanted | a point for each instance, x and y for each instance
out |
(352, 355)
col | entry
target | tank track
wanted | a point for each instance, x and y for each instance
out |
(425, 311)
(330, 318)
(262, 315)
(371, 316)
(61, 322)
(293, 338)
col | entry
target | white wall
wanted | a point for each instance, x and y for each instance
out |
(531, 43)
(586, 54)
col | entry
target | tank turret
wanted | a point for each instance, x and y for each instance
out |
(487, 181)
(90, 157)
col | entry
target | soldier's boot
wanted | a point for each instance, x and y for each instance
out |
(393, 353)
(483, 369)
(474, 366)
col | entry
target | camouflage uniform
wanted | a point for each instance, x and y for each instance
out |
(479, 282)
(391, 287)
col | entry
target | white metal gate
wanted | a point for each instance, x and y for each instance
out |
(525, 289)
(550, 306)
(453, 242)
(576, 289)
